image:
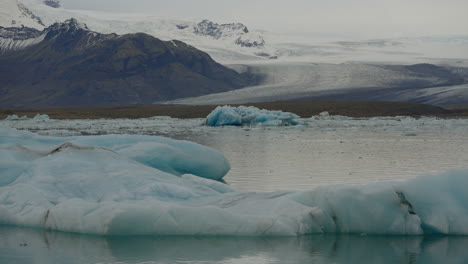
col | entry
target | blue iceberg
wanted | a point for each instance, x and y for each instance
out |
(176, 157)
(249, 115)
(110, 185)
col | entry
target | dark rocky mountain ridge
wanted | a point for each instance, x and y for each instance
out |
(74, 66)
(52, 3)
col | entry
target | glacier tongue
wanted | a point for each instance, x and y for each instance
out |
(107, 185)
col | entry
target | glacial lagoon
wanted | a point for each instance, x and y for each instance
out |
(318, 152)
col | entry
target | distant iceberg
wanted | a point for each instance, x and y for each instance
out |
(326, 116)
(110, 185)
(249, 115)
(40, 117)
(15, 118)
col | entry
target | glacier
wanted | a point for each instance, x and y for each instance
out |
(249, 115)
(111, 185)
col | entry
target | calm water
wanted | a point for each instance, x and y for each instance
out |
(271, 159)
(300, 159)
(24, 246)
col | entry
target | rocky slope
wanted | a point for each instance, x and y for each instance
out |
(69, 65)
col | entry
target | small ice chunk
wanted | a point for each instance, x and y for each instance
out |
(326, 116)
(16, 118)
(40, 117)
(249, 115)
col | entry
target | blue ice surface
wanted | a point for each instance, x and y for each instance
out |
(249, 115)
(96, 185)
(177, 157)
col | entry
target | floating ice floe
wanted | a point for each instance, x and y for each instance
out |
(40, 117)
(111, 185)
(249, 115)
(326, 116)
(15, 118)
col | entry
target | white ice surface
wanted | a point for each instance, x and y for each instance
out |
(249, 115)
(13, 13)
(91, 189)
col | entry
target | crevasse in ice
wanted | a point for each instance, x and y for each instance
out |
(249, 115)
(95, 185)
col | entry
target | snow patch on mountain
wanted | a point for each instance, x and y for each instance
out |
(12, 38)
(15, 14)
(18, 38)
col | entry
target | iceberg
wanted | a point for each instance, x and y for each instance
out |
(15, 118)
(177, 157)
(249, 115)
(326, 116)
(40, 117)
(109, 185)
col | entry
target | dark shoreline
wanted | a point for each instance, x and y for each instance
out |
(302, 108)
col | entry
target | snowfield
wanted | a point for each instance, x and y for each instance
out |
(115, 185)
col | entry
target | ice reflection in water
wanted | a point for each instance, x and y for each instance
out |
(19, 245)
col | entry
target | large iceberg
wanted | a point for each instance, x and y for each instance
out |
(249, 115)
(107, 185)
(176, 157)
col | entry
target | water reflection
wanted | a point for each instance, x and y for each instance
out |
(20, 245)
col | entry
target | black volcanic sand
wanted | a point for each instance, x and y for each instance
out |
(303, 109)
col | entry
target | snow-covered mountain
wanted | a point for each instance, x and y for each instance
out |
(292, 65)
(236, 43)
(226, 42)
(238, 31)
(67, 64)
(18, 38)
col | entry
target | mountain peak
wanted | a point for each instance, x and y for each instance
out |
(216, 31)
(75, 66)
(71, 24)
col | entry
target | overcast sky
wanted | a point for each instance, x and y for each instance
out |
(360, 17)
